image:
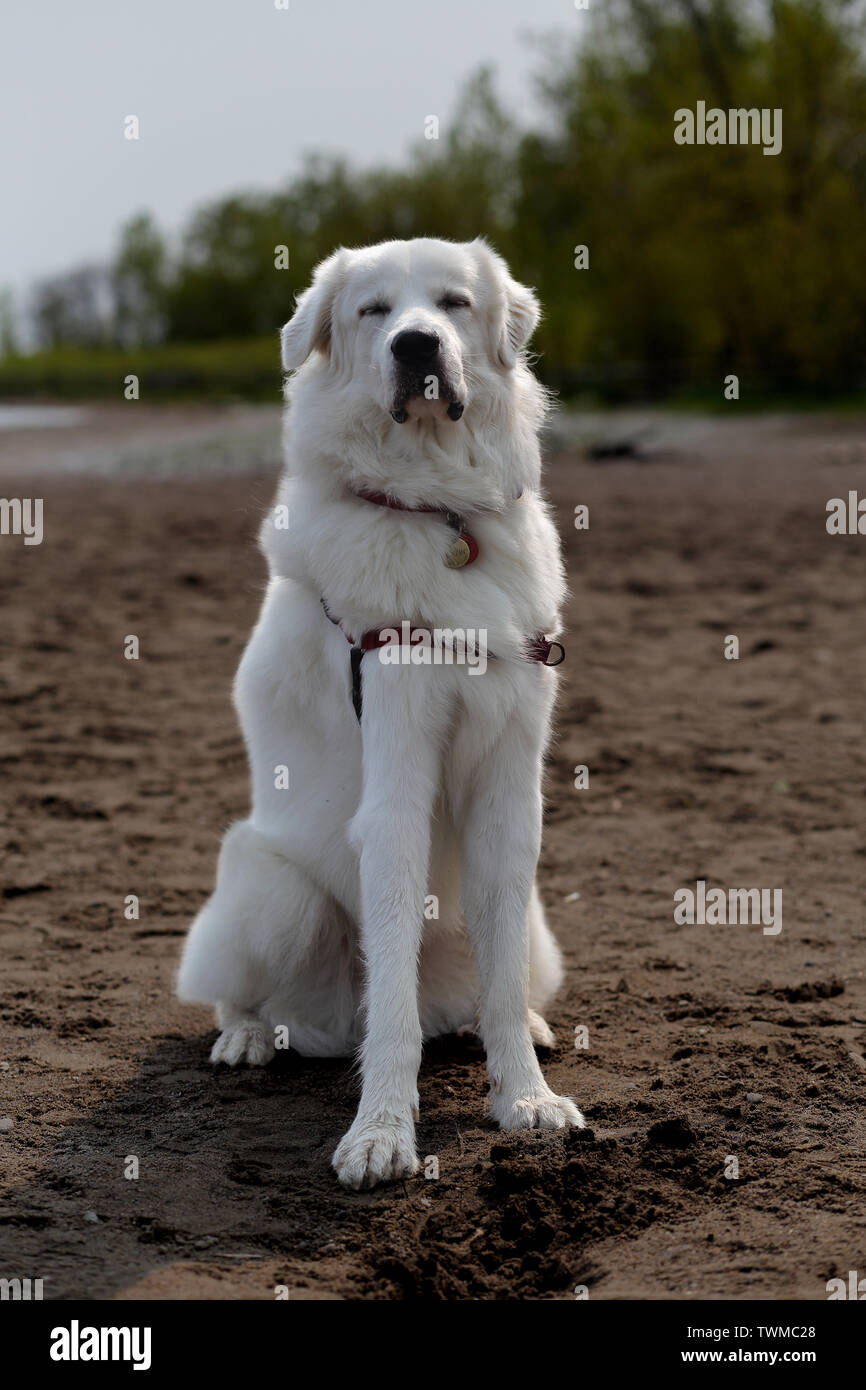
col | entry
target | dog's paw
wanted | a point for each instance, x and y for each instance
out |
(542, 1111)
(243, 1042)
(374, 1150)
(540, 1031)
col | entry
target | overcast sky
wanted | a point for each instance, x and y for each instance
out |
(230, 94)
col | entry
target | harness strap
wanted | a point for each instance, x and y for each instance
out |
(536, 648)
(355, 656)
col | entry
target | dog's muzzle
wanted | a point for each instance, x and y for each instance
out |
(414, 348)
(416, 352)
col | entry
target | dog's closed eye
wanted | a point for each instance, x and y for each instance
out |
(454, 301)
(378, 308)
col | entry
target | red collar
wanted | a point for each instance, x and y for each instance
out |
(382, 499)
(464, 549)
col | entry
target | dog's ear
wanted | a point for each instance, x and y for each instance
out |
(522, 312)
(514, 309)
(309, 328)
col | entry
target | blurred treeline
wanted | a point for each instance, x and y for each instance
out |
(703, 260)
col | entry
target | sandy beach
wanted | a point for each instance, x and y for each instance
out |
(706, 1043)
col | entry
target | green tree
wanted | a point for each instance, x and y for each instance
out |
(138, 275)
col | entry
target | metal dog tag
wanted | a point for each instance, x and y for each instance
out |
(458, 554)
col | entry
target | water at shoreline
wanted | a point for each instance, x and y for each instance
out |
(138, 440)
(40, 417)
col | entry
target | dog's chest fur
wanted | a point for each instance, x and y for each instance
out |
(377, 568)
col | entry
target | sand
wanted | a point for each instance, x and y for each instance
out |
(713, 1050)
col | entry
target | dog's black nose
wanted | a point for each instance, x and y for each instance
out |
(413, 347)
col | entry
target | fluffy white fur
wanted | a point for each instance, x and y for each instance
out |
(317, 921)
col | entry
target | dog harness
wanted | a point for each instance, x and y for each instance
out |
(463, 551)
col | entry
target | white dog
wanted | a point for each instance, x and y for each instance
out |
(383, 889)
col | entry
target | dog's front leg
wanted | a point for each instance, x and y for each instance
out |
(404, 714)
(501, 842)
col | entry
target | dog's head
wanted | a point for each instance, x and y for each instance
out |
(421, 328)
